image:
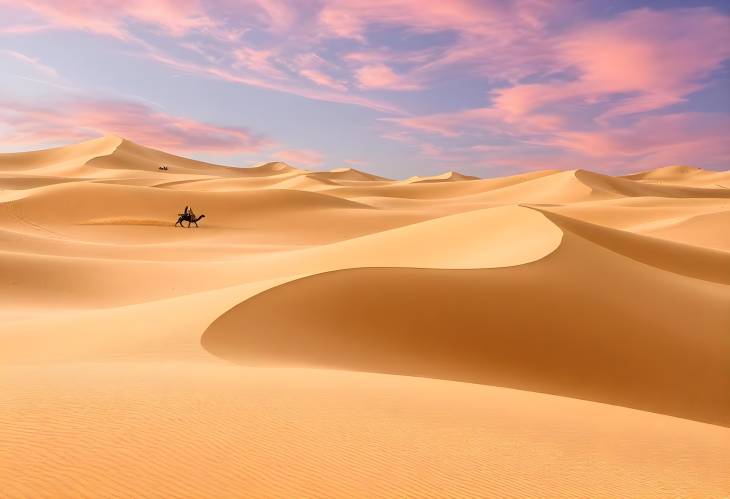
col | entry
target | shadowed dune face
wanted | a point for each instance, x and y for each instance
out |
(142, 359)
(701, 263)
(559, 325)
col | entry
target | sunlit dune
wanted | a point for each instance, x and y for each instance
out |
(684, 175)
(452, 176)
(345, 174)
(337, 333)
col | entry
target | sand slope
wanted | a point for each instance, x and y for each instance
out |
(539, 326)
(339, 334)
(187, 430)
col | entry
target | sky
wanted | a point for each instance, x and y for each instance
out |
(394, 87)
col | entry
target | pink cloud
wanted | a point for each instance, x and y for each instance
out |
(217, 72)
(653, 135)
(109, 17)
(300, 157)
(494, 38)
(380, 76)
(661, 56)
(23, 29)
(368, 57)
(640, 61)
(431, 150)
(278, 16)
(653, 141)
(257, 60)
(431, 124)
(402, 136)
(232, 57)
(349, 18)
(323, 80)
(447, 124)
(75, 120)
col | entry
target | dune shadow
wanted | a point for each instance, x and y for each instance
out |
(583, 322)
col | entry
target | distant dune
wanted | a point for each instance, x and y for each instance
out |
(683, 175)
(341, 334)
(444, 177)
(350, 174)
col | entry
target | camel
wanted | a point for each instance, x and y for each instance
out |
(186, 217)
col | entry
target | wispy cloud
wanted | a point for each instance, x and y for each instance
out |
(33, 62)
(75, 120)
(107, 17)
(323, 80)
(222, 73)
(611, 72)
(300, 157)
(380, 76)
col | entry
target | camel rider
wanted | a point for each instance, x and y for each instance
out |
(190, 213)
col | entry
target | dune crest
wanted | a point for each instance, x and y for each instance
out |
(61, 161)
(684, 175)
(491, 340)
(450, 176)
(348, 174)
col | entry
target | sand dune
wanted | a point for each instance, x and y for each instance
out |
(619, 186)
(512, 235)
(539, 326)
(341, 334)
(684, 175)
(580, 186)
(350, 174)
(273, 168)
(443, 177)
(699, 230)
(97, 200)
(692, 261)
(22, 182)
(60, 158)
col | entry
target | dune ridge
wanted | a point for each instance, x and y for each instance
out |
(683, 175)
(417, 307)
(346, 175)
(450, 176)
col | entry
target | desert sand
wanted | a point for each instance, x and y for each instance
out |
(341, 334)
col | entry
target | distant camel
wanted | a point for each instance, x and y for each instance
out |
(185, 217)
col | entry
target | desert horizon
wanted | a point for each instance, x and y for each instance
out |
(448, 335)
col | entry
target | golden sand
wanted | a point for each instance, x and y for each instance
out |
(339, 334)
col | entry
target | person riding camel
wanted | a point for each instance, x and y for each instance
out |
(188, 216)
